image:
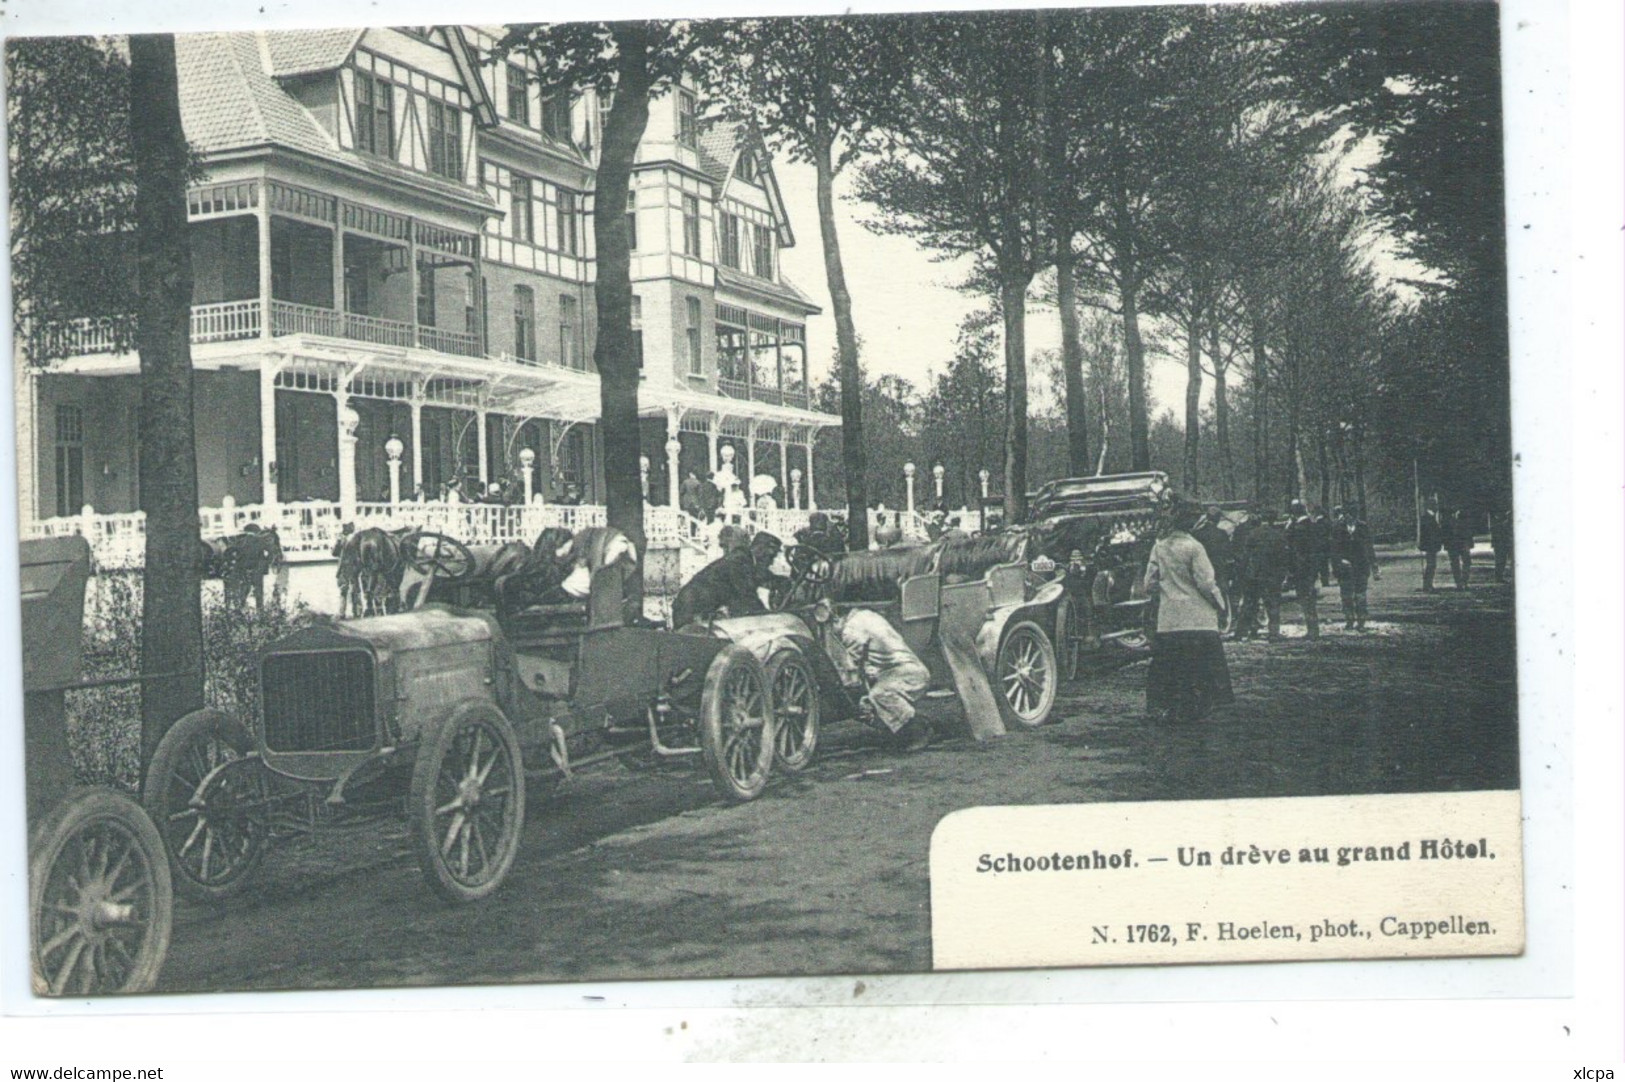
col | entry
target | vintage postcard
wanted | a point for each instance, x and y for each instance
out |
(867, 494)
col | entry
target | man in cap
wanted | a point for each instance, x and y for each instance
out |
(1210, 533)
(1323, 529)
(1354, 558)
(729, 585)
(1308, 555)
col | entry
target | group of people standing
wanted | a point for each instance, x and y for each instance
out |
(1454, 536)
(1206, 580)
(722, 493)
(506, 493)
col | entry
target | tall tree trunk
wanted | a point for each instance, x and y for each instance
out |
(1139, 425)
(1300, 479)
(615, 353)
(1193, 400)
(1261, 417)
(1325, 470)
(1221, 414)
(1077, 405)
(172, 597)
(1359, 474)
(854, 460)
(1013, 299)
(1105, 433)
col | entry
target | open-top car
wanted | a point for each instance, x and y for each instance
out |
(443, 710)
(1099, 531)
(985, 583)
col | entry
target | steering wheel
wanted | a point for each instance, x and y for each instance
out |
(809, 569)
(439, 556)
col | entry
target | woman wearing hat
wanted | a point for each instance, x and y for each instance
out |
(1188, 675)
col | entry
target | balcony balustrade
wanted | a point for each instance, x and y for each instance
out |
(738, 388)
(231, 321)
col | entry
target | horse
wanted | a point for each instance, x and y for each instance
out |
(241, 563)
(371, 564)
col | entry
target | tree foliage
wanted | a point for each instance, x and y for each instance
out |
(965, 174)
(72, 190)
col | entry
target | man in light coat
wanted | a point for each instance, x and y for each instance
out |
(867, 650)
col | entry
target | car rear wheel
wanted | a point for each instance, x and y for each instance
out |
(209, 802)
(737, 732)
(468, 802)
(1025, 675)
(795, 708)
(100, 897)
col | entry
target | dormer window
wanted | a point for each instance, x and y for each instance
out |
(518, 95)
(374, 116)
(764, 252)
(687, 124)
(729, 224)
(445, 140)
(747, 170)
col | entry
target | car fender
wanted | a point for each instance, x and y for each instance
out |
(1040, 609)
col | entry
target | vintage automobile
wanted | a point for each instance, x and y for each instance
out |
(100, 898)
(444, 710)
(914, 587)
(1099, 531)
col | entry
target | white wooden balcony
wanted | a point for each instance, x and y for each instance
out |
(232, 321)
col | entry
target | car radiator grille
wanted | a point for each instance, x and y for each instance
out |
(318, 701)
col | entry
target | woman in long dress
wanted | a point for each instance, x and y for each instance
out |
(1188, 675)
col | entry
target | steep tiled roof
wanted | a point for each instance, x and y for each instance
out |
(717, 147)
(229, 102)
(300, 52)
(784, 290)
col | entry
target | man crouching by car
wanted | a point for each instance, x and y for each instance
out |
(730, 585)
(870, 653)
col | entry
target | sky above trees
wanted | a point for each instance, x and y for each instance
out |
(907, 304)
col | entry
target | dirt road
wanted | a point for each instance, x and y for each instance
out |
(626, 875)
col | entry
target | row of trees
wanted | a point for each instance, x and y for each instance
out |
(1222, 182)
